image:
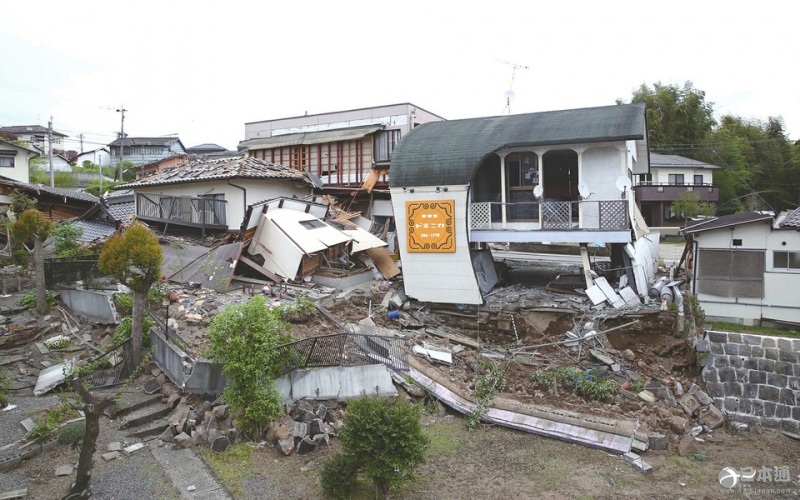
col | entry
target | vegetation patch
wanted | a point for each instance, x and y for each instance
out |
(591, 383)
(232, 467)
(755, 330)
(486, 388)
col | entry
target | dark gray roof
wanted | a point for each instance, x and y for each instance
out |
(791, 219)
(146, 141)
(39, 188)
(205, 148)
(95, 229)
(675, 161)
(219, 169)
(30, 129)
(448, 152)
(24, 148)
(726, 221)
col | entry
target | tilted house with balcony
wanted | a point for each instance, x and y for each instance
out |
(213, 194)
(559, 176)
(670, 176)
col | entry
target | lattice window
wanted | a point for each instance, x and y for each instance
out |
(731, 273)
(614, 214)
(480, 215)
(557, 215)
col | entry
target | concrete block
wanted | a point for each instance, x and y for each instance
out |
(115, 446)
(703, 346)
(777, 380)
(787, 355)
(637, 462)
(720, 337)
(785, 368)
(712, 417)
(771, 353)
(702, 397)
(717, 348)
(732, 349)
(710, 374)
(689, 404)
(111, 455)
(733, 389)
(769, 393)
(734, 338)
(769, 409)
(715, 390)
(768, 342)
(130, 450)
(766, 365)
(10, 462)
(751, 339)
(757, 352)
(745, 350)
(63, 470)
(785, 344)
(657, 441)
(727, 374)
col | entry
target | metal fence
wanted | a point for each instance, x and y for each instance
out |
(341, 349)
(69, 269)
(120, 357)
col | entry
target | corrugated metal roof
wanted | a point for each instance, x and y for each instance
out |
(308, 138)
(448, 152)
(220, 169)
(727, 221)
(675, 161)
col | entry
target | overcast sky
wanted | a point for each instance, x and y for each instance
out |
(203, 69)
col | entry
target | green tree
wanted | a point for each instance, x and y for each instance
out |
(38, 171)
(67, 239)
(688, 204)
(382, 438)
(32, 225)
(242, 338)
(134, 258)
(675, 115)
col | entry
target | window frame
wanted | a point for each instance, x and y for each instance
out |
(789, 257)
(675, 179)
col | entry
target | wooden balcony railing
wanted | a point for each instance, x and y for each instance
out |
(182, 210)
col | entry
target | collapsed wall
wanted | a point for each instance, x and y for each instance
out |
(755, 378)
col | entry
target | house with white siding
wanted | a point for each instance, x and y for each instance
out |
(559, 176)
(15, 161)
(745, 268)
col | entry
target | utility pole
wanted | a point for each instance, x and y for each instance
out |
(81, 138)
(50, 142)
(121, 140)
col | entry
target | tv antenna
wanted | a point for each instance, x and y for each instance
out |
(509, 94)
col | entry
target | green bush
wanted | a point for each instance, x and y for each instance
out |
(72, 434)
(28, 299)
(21, 258)
(298, 311)
(125, 328)
(589, 383)
(242, 339)
(67, 239)
(124, 303)
(385, 439)
(339, 476)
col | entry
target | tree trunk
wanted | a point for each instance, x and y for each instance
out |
(38, 266)
(92, 409)
(381, 487)
(137, 317)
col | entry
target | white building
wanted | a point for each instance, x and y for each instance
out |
(746, 267)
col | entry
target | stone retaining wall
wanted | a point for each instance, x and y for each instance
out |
(755, 379)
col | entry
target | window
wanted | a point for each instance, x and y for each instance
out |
(312, 224)
(385, 141)
(645, 179)
(522, 170)
(698, 180)
(731, 273)
(6, 160)
(676, 179)
(785, 261)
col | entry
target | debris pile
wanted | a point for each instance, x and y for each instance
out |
(306, 427)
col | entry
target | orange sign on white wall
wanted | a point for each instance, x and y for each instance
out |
(431, 226)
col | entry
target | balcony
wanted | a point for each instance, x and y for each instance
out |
(561, 221)
(205, 213)
(655, 191)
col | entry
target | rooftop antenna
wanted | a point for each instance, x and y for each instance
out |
(509, 94)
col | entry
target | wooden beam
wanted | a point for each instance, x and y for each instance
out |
(263, 270)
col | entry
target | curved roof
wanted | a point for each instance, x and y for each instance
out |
(448, 152)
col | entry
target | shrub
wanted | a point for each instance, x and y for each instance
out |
(67, 239)
(242, 339)
(124, 303)
(301, 309)
(21, 258)
(28, 299)
(339, 476)
(57, 342)
(125, 328)
(72, 434)
(384, 438)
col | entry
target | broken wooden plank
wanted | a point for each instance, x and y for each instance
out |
(263, 270)
(384, 262)
(433, 355)
(453, 338)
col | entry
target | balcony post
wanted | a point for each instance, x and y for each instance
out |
(502, 189)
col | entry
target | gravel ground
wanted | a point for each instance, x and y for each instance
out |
(27, 406)
(132, 478)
